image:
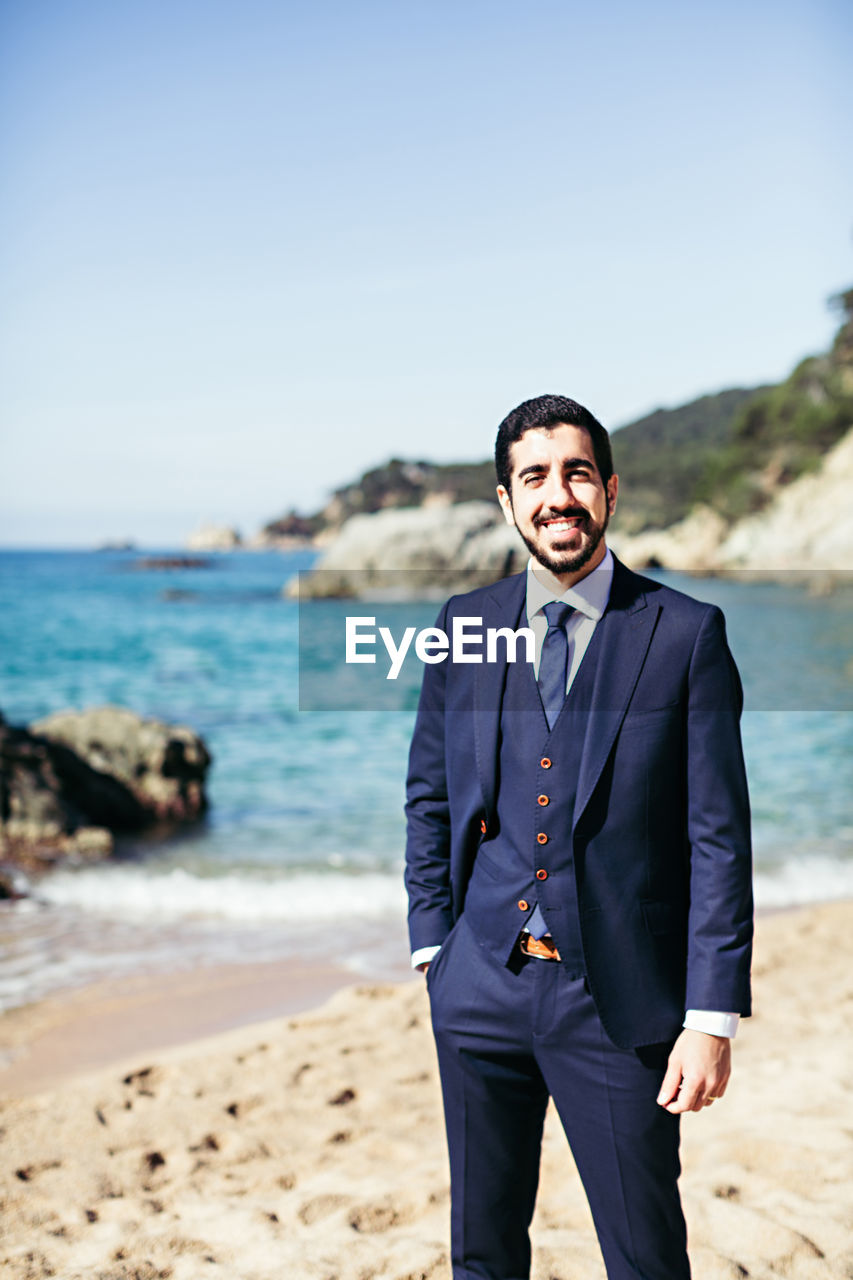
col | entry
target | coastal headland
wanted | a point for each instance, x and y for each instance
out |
(715, 486)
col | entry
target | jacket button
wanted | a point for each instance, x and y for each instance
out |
(541, 874)
(522, 905)
(483, 825)
(545, 763)
(543, 800)
(542, 838)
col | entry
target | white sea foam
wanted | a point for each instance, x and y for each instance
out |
(137, 893)
(797, 882)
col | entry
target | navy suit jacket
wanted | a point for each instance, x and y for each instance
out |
(660, 833)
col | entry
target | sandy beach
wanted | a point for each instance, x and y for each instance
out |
(311, 1144)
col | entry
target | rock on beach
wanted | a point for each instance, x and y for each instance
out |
(71, 780)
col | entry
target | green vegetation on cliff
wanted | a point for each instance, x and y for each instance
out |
(784, 430)
(411, 484)
(663, 458)
(396, 484)
(731, 450)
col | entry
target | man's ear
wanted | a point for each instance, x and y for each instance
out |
(506, 505)
(612, 493)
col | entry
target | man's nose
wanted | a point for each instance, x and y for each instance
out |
(558, 491)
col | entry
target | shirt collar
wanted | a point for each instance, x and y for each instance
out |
(589, 596)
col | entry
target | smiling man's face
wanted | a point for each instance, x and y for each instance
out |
(558, 501)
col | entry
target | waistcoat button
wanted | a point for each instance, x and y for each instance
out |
(541, 874)
(522, 905)
(483, 825)
(545, 763)
(543, 800)
(542, 838)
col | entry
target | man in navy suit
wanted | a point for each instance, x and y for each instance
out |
(578, 868)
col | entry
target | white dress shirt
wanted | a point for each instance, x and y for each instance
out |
(588, 597)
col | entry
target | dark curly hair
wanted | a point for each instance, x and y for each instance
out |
(550, 411)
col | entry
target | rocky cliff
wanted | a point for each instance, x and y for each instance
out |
(806, 527)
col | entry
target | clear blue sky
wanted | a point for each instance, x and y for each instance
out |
(248, 250)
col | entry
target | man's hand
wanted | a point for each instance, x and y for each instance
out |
(698, 1072)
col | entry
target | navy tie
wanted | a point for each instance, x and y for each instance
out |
(553, 660)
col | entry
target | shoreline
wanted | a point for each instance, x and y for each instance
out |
(79, 1031)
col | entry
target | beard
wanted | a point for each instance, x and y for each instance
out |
(559, 561)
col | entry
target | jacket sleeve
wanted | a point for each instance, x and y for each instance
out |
(427, 874)
(719, 940)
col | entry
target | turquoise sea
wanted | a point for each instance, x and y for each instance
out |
(304, 837)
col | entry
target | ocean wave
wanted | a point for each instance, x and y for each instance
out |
(136, 893)
(797, 882)
(133, 892)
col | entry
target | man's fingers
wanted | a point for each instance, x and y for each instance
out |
(671, 1082)
(690, 1097)
(698, 1095)
(714, 1088)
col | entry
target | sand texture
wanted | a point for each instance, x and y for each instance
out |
(313, 1147)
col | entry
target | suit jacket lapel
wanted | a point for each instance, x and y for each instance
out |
(503, 607)
(627, 627)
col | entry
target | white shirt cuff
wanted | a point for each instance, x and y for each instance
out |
(423, 955)
(712, 1023)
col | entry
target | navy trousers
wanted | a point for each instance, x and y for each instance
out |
(507, 1037)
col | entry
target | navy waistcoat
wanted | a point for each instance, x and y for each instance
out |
(528, 859)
